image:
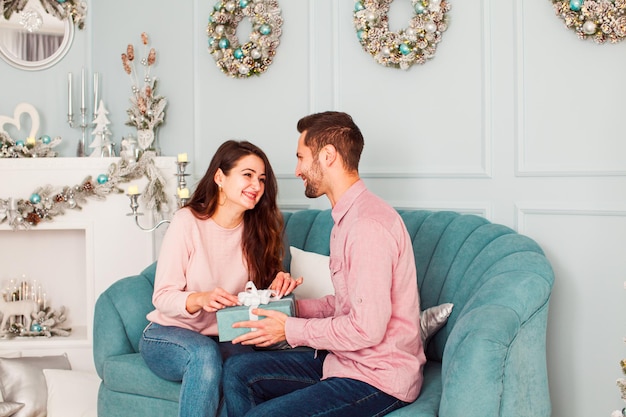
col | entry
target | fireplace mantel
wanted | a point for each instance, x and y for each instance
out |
(76, 256)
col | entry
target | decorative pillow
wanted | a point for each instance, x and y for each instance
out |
(72, 393)
(8, 355)
(314, 268)
(9, 409)
(432, 319)
(22, 381)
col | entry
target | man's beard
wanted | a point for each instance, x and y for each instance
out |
(313, 179)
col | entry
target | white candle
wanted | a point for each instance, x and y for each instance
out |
(182, 157)
(183, 193)
(69, 94)
(96, 79)
(82, 89)
(133, 190)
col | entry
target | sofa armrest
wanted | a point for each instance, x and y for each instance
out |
(489, 354)
(109, 333)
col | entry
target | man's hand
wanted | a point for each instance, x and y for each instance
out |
(269, 330)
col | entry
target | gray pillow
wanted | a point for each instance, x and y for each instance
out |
(9, 409)
(22, 381)
(432, 319)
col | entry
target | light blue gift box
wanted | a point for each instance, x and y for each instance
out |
(229, 315)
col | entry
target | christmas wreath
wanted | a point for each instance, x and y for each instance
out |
(601, 20)
(415, 44)
(253, 57)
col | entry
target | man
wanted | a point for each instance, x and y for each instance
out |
(368, 355)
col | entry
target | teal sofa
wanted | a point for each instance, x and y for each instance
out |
(488, 360)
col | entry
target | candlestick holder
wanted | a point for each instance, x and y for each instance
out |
(80, 149)
(181, 201)
(134, 205)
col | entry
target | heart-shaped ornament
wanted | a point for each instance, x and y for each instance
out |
(145, 137)
(20, 109)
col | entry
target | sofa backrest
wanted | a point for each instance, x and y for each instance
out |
(460, 259)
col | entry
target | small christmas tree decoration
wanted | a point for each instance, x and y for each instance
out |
(101, 144)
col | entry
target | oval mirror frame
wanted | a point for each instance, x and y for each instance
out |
(68, 38)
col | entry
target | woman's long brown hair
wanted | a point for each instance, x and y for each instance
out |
(262, 229)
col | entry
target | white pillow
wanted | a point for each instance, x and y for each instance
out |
(317, 283)
(72, 393)
(314, 268)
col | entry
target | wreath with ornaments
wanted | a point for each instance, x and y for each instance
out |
(255, 56)
(601, 20)
(414, 45)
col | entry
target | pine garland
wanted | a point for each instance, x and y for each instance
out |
(48, 202)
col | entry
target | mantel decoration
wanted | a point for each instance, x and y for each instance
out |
(413, 45)
(601, 20)
(47, 202)
(61, 9)
(31, 148)
(148, 109)
(26, 310)
(256, 55)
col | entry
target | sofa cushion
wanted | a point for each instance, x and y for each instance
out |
(130, 374)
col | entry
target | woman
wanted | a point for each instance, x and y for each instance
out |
(228, 234)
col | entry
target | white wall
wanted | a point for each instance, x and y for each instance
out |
(515, 119)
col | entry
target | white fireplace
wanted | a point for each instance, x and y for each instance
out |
(77, 255)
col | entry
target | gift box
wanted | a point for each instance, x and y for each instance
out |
(229, 315)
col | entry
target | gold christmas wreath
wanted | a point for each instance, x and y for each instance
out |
(253, 57)
(601, 20)
(415, 44)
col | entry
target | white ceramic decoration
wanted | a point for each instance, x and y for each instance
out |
(17, 114)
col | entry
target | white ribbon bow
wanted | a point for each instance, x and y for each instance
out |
(253, 298)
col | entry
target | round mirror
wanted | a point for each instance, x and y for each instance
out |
(33, 39)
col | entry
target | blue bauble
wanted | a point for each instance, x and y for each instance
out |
(243, 3)
(46, 139)
(404, 49)
(358, 6)
(19, 143)
(60, 1)
(35, 327)
(419, 8)
(35, 198)
(265, 29)
(359, 34)
(238, 53)
(575, 5)
(103, 179)
(224, 43)
(218, 6)
(211, 40)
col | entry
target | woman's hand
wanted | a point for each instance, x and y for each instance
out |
(284, 284)
(211, 301)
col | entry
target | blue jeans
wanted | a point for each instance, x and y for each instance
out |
(178, 354)
(288, 383)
